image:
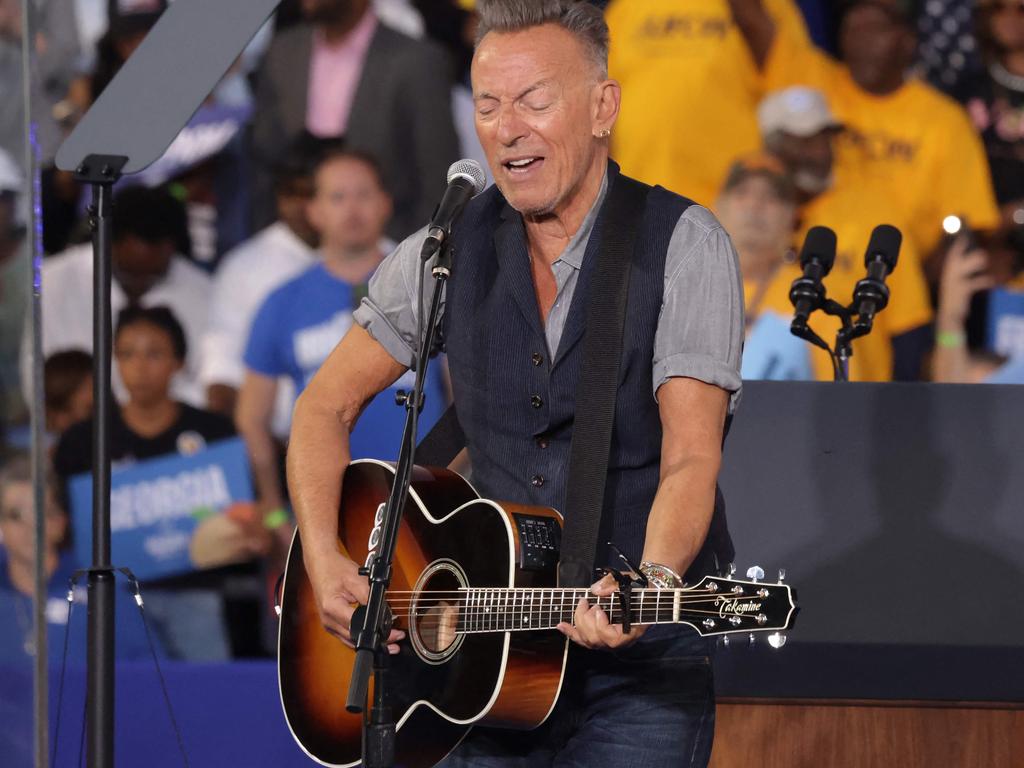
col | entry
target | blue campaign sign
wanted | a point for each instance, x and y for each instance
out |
(156, 506)
(1006, 322)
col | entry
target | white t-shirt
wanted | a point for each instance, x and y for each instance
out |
(247, 275)
(67, 311)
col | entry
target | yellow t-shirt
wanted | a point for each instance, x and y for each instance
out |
(690, 90)
(845, 211)
(916, 146)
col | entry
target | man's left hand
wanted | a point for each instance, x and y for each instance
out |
(592, 628)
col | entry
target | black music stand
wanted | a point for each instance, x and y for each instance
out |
(130, 126)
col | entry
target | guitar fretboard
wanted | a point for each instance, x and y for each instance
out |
(507, 610)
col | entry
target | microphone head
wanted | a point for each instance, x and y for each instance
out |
(819, 244)
(884, 246)
(470, 170)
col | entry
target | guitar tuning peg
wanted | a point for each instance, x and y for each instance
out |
(751, 639)
(723, 641)
(755, 573)
(776, 640)
(782, 575)
(730, 570)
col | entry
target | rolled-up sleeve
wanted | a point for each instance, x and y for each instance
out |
(390, 311)
(700, 329)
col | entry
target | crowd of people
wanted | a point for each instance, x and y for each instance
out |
(238, 270)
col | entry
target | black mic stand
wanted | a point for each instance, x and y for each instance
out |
(372, 625)
(845, 336)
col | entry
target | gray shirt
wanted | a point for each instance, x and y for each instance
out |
(700, 328)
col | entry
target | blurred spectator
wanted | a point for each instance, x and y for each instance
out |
(344, 73)
(690, 90)
(302, 321)
(917, 146)
(149, 348)
(149, 270)
(453, 24)
(15, 285)
(51, 58)
(758, 209)
(128, 23)
(67, 390)
(995, 101)
(17, 579)
(247, 276)
(947, 52)
(800, 130)
(979, 267)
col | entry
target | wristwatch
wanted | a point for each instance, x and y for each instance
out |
(660, 576)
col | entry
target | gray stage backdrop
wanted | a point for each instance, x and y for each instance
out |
(897, 511)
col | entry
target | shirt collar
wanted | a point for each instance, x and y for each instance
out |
(573, 253)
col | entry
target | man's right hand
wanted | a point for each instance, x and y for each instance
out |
(339, 588)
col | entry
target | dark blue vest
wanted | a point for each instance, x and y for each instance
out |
(515, 405)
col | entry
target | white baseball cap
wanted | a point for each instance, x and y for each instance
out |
(799, 110)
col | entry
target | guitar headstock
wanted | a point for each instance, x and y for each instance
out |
(720, 605)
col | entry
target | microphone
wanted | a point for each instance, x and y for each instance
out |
(466, 179)
(817, 257)
(871, 295)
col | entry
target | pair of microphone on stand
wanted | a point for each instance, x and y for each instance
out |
(870, 295)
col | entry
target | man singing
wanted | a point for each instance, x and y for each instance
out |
(514, 317)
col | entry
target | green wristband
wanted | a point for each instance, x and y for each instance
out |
(275, 518)
(950, 339)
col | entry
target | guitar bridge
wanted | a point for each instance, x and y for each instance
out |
(540, 539)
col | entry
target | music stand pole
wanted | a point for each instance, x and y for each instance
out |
(102, 172)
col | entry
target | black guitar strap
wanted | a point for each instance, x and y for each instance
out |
(599, 382)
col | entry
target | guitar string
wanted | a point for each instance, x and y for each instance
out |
(567, 610)
(492, 601)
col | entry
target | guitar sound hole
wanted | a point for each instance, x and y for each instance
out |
(434, 620)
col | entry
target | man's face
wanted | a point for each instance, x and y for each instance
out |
(349, 209)
(876, 48)
(538, 105)
(809, 159)
(756, 217)
(145, 359)
(139, 265)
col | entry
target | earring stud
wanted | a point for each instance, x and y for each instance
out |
(604, 133)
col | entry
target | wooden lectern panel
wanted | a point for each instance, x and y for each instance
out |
(866, 735)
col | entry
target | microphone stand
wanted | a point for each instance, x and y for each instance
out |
(845, 336)
(372, 625)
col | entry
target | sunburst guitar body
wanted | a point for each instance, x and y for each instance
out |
(474, 586)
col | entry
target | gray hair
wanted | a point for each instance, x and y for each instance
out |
(583, 20)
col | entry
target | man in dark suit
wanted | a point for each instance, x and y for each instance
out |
(344, 73)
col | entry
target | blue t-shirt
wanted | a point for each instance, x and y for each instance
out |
(772, 353)
(297, 328)
(16, 619)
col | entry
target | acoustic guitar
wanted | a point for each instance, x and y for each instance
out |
(474, 587)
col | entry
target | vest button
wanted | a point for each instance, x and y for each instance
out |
(537, 358)
(542, 442)
(537, 481)
(536, 401)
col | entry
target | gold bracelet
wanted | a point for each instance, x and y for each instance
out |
(660, 576)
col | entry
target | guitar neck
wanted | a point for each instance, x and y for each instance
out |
(509, 610)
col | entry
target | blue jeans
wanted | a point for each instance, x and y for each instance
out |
(650, 705)
(189, 623)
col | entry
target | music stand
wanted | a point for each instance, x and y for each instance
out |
(130, 126)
